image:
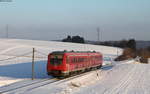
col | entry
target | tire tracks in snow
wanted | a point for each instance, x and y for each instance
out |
(136, 82)
(140, 80)
(123, 83)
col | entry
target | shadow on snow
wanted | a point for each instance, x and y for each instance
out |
(24, 70)
(107, 67)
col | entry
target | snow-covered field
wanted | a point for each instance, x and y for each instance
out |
(126, 77)
(15, 57)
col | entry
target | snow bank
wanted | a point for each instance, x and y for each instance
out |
(6, 82)
(75, 84)
(88, 79)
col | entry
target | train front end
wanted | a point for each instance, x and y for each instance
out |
(56, 65)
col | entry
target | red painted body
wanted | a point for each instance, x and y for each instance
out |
(72, 61)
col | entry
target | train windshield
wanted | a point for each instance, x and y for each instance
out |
(56, 59)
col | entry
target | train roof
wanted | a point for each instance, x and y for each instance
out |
(62, 52)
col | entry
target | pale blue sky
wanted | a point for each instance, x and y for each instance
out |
(55, 19)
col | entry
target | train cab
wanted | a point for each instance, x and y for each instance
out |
(56, 64)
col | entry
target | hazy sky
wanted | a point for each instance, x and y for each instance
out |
(55, 19)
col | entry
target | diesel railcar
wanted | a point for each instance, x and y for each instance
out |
(63, 63)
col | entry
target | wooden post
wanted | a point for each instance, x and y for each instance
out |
(117, 52)
(33, 64)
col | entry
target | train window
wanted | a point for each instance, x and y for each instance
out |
(78, 60)
(56, 60)
(85, 60)
(81, 60)
(73, 60)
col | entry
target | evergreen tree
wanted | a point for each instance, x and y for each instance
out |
(131, 44)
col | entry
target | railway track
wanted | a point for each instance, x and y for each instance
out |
(26, 87)
(72, 77)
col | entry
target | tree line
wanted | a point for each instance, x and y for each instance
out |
(74, 39)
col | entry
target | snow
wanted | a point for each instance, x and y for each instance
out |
(16, 57)
(125, 77)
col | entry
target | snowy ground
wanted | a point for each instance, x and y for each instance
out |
(123, 78)
(127, 77)
(15, 57)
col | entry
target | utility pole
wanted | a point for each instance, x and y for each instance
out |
(33, 63)
(117, 52)
(98, 36)
(7, 31)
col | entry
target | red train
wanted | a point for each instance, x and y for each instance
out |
(63, 63)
